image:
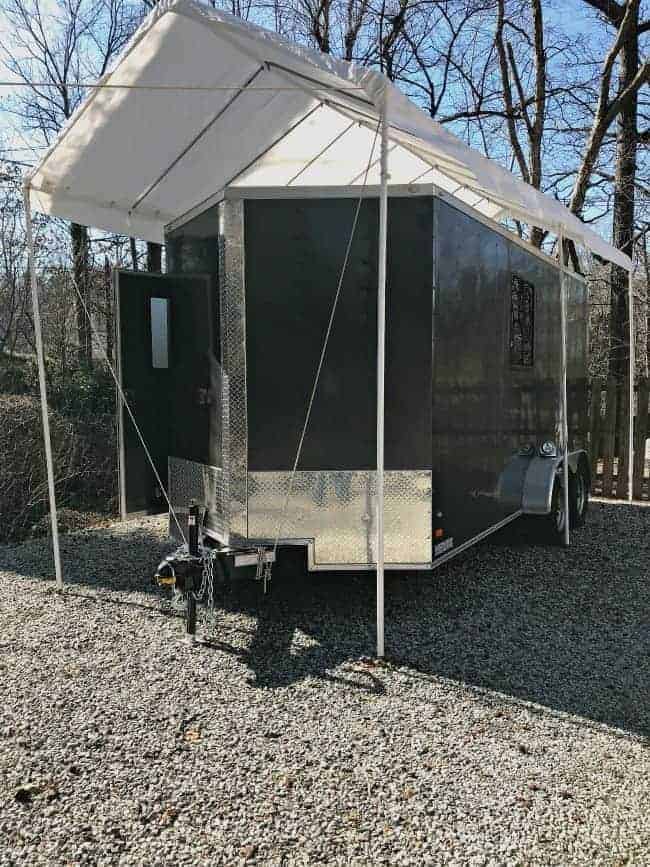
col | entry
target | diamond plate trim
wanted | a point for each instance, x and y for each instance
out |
(207, 485)
(335, 509)
(233, 336)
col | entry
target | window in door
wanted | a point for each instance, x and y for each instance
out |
(160, 333)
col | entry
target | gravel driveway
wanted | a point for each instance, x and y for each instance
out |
(511, 727)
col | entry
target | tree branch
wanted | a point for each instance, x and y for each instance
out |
(507, 93)
(612, 10)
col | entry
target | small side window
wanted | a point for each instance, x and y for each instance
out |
(522, 323)
(160, 333)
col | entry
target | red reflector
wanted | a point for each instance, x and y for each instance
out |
(438, 533)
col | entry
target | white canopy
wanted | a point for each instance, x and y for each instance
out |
(201, 100)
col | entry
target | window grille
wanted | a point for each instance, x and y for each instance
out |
(522, 323)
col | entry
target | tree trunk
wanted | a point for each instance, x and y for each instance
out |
(623, 212)
(79, 239)
(623, 239)
(134, 254)
(646, 271)
(154, 257)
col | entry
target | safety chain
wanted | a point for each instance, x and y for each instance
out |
(206, 591)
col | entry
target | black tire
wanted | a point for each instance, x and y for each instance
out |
(579, 496)
(555, 519)
(549, 529)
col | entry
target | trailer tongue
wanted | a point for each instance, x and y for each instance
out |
(193, 570)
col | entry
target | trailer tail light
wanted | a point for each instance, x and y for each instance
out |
(438, 533)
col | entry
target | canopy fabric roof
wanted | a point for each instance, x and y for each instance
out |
(200, 101)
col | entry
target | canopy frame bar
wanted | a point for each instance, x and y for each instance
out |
(218, 196)
(419, 177)
(208, 126)
(365, 119)
(321, 153)
(631, 370)
(42, 383)
(563, 391)
(373, 164)
(273, 144)
(287, 71)
(381, 369)
(319, 87)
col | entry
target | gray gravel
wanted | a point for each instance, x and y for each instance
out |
(511, 727)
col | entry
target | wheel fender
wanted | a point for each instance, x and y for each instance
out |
(540, 477)
(511, 481)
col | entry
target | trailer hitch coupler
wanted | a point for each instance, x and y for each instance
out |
(165, 574)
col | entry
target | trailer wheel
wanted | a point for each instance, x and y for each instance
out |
(551, 526)
(556, 516)
(579, 497)
(549, 529)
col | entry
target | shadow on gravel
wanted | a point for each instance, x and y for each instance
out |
(566, 629)
(110, 558)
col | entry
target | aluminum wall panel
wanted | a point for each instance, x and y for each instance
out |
(207, 486)
(474, 434)
(335, 510)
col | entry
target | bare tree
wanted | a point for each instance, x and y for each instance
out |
(333, 26)
(614, 101)
(531, 111)
(52, 53)
(12, 258)
(618, 102)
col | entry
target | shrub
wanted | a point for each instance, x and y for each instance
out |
(18, 374)
(84, 455)
(80, 392)
(83, 392)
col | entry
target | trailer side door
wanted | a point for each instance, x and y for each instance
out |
(165, 337)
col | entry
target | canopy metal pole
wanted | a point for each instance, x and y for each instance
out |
(40, 356)
(630, 434)
(565, 409)
(381, 364)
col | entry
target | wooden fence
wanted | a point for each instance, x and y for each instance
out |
(609, 441)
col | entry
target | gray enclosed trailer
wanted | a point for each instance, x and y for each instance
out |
(202, 134)
(218, 358)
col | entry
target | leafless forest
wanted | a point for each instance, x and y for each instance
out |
(556, 91)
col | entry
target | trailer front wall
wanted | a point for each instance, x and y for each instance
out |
(294, 255)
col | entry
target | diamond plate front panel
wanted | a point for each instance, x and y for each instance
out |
(208, 486)
(233, 336)
(335, 511)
